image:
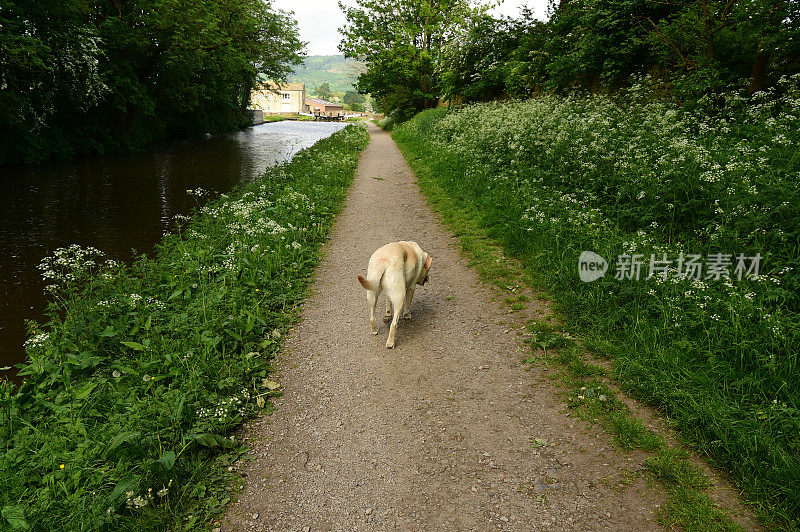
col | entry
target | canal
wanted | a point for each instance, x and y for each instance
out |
(118, 204)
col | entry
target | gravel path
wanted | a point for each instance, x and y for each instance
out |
(447, 430)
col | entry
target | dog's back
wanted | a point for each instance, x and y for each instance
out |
(390, 258)
(395, 268)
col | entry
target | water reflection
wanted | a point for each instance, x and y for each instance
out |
(118, 204)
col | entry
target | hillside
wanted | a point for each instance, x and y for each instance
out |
(319, 69)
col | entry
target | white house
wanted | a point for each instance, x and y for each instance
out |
(284, 98)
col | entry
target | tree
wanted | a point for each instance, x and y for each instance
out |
(353, 69)
(48, 73)
(475, 65)
(95, 76)
(324, 92)
(709, 44)
(181, 67)
(600, 43)
(526, 69)
(354, 101)
(402, 43)
(698, 46)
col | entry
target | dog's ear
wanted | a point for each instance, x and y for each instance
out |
(428, 261)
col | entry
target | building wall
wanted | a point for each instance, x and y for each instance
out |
(272, 100)
(324, 109)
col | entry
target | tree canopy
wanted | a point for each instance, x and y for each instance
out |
(324, 92)
(81, 76)
(417, 53)
(693, 46)
(402, 43)
(354, 101)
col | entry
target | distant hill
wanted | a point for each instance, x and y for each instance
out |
(319, 69)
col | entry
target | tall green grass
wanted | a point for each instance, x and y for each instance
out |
(134, 387)
(552, 177)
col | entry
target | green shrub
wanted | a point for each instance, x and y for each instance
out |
(387, 123)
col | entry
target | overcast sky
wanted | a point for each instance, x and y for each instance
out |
(319, 20)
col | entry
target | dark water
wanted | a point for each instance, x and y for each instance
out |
(116, 204)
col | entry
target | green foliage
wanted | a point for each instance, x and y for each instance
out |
(708, 45)
(386, 123)
(402, 44)
(551, 177)
(354, 101)
(323, 92)
(402, 79)
(475, 65)
(134, 388)
(599, 42)
(694, 47)
(110, 76)
(45, 68)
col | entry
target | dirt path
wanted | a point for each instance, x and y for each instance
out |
(438, 433)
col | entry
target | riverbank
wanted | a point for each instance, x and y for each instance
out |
(552, 177)
(135, 385)
(121, 204)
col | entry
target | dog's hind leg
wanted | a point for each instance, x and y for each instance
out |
(372, 301)
(398, 300)
(388, 316)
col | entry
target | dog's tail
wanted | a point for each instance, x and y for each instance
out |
(370, 284)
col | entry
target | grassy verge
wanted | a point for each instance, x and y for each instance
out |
(136, 384)
(550, 178)
(591, 398)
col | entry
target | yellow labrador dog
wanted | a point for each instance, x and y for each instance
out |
(397, 268)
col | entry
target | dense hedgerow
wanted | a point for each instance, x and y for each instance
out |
(552, 177)
(135, 385)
